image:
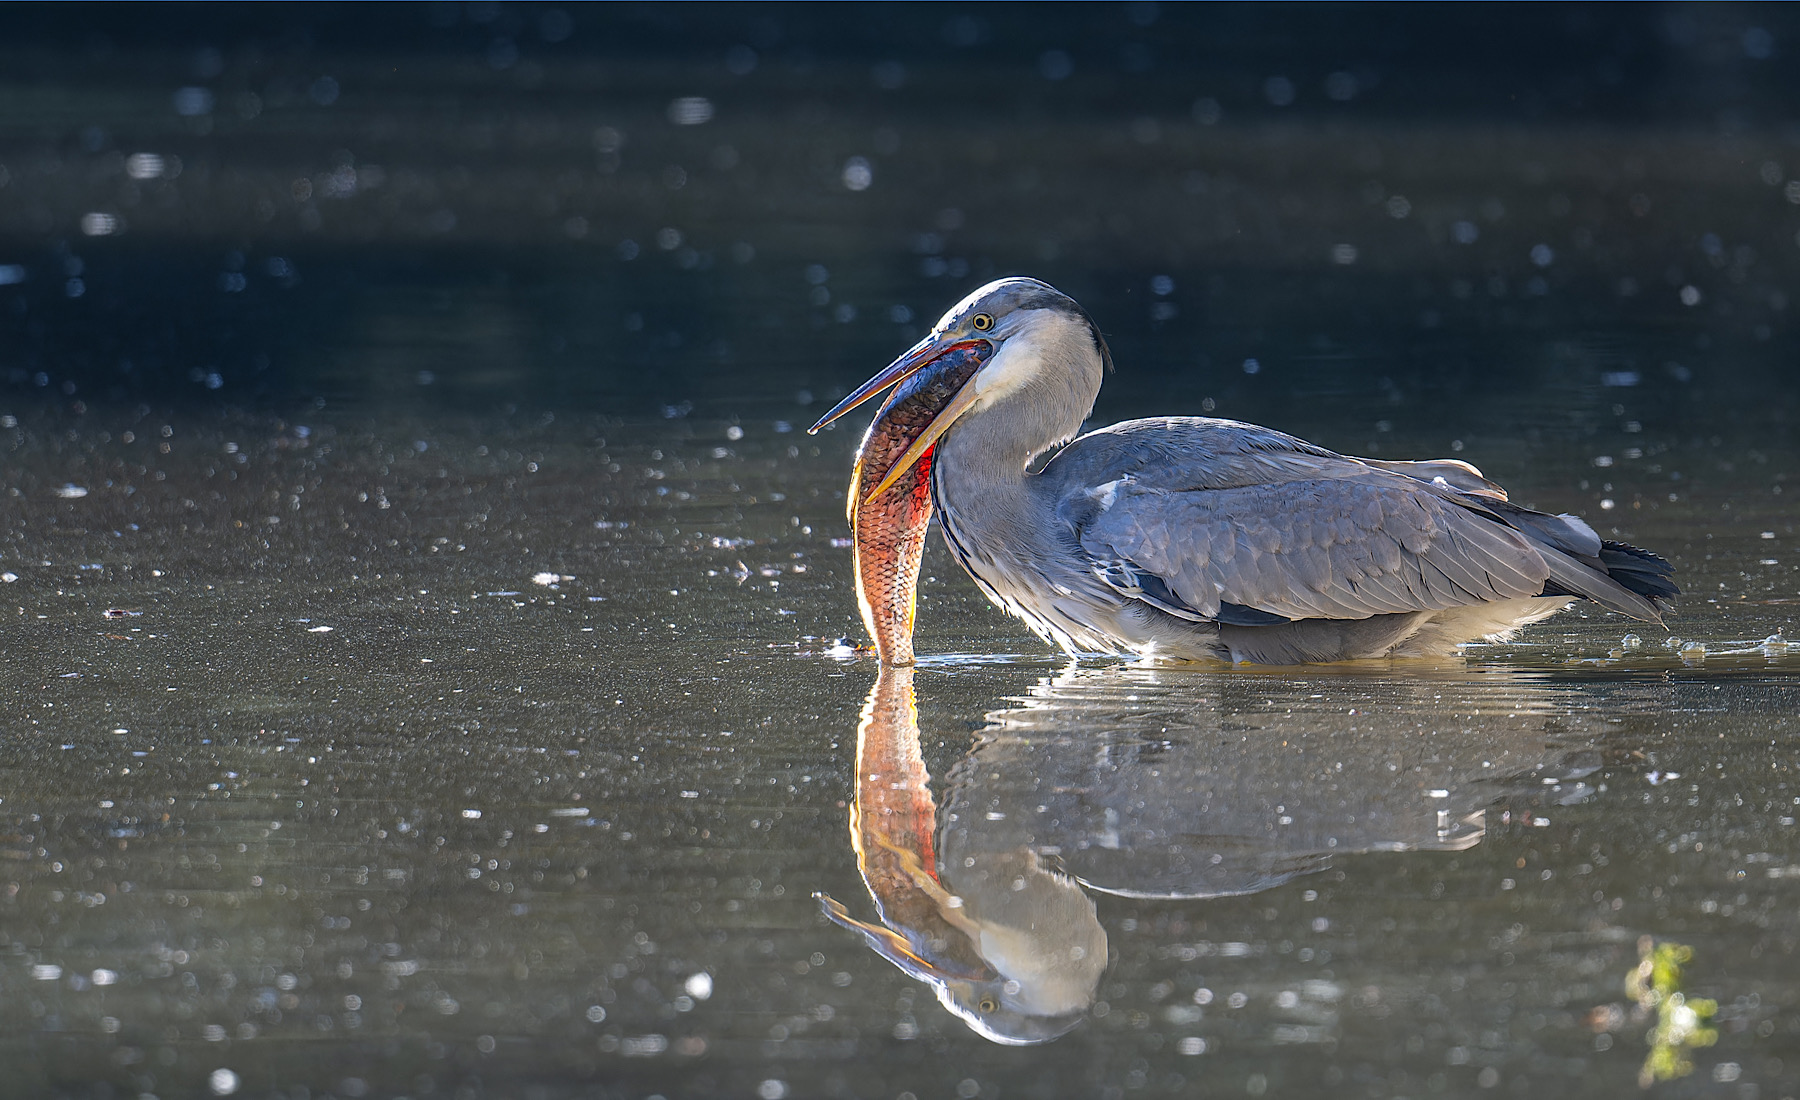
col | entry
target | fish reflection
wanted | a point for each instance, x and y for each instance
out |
(1010, 944)
(1156, 784)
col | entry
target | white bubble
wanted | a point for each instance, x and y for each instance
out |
(222, 1082)
(772, 1089)
(144, 166)
(699, 986)
(690, 110)
(858, 175)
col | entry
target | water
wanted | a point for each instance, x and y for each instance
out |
(430, 664)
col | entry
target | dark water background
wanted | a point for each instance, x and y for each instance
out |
(484, 336)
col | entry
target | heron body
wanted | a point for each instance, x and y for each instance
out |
(1195, 538)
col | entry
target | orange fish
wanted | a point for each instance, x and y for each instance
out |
(890, 524)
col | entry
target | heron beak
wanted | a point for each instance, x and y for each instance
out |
(919, 356)
(927, 438)
(894, 947)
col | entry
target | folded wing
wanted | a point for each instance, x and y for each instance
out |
(1253, 535)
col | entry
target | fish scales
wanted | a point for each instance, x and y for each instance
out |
(890, 527)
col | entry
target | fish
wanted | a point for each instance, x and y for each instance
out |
(889, 526)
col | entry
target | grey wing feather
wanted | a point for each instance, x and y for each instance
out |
(1337, 548)
(1453, 472)
(1194, 515)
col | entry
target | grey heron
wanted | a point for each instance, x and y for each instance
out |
(1188, 538)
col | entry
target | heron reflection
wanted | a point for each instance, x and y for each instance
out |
(1130, 782)
(1008, 942)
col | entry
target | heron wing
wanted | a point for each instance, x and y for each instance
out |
(1337, 540)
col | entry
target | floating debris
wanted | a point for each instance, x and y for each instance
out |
(1681, 1023)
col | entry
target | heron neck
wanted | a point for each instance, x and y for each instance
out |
(983, 459)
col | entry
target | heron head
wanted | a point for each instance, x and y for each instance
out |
(1025, 974)
(1030, 336)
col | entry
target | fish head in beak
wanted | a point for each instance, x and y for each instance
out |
(930, 383)
(936, 380)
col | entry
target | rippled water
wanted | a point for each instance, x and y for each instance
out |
(477, 753)
(430, 664)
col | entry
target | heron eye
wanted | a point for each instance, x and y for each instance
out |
(982, 322)
(988, 1004)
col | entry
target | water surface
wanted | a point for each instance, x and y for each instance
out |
(431, 661)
